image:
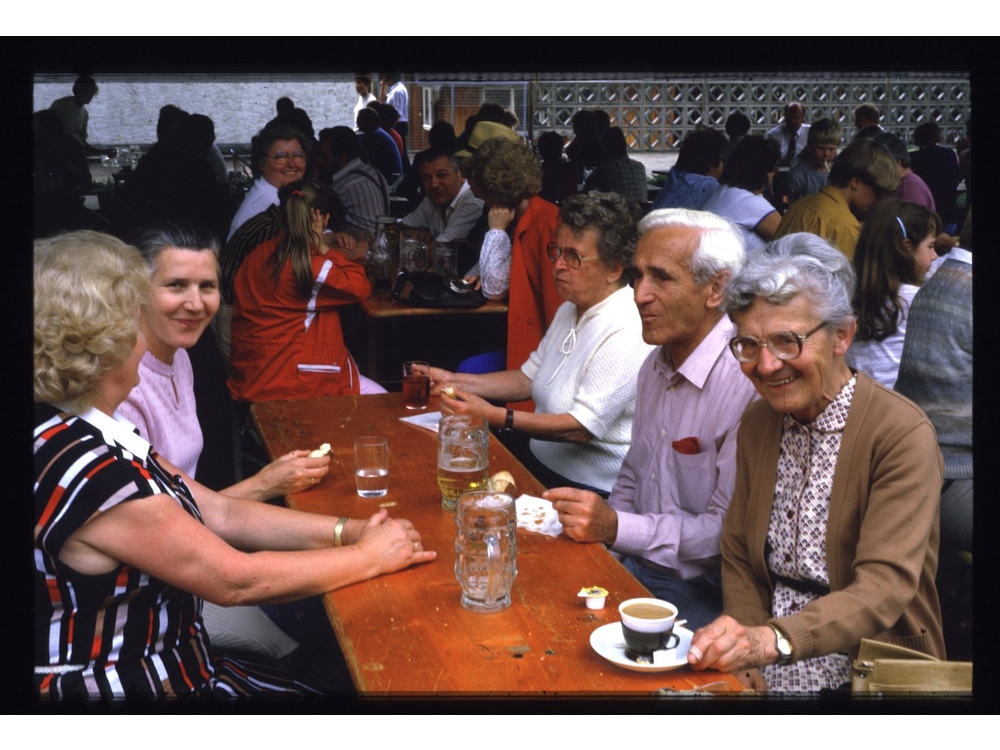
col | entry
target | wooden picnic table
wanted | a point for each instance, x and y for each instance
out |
(406, 634)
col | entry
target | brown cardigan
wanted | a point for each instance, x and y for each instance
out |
(882, 535)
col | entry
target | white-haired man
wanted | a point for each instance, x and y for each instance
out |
(664, 514)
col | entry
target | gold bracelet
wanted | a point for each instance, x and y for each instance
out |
(338, 532)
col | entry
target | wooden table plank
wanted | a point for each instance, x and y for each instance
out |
(406, 633)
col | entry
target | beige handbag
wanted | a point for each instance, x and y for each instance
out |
(882, 668)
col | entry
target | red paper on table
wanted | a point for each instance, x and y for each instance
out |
(688, 446)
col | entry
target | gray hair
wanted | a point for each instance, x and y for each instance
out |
(609, 216)
(156, 238)
(720, 247)
(800, 263)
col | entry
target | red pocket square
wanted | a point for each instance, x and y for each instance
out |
(688, 446)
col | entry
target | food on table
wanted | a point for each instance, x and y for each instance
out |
(503, 481)
(323, 450)
(595, 596)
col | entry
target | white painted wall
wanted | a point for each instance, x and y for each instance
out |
(125, 113)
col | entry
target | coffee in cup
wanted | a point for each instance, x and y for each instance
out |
(648, 626)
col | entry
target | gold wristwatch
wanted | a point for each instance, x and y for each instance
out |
(783, 645)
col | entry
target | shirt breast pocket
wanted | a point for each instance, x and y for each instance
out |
(696, 479)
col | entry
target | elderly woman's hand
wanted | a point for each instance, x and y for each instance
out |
(439, 379)
(392, 544)
(291, 473)
(727, 646)
(466, 403)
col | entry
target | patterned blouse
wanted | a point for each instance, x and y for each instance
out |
(124, 632)
(797, 535)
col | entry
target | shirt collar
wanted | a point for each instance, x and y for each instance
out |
(118, 430)
(697, 367)
(833, 418)
(960, 254)
(461, 194)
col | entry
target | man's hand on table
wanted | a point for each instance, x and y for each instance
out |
(584, 515)
(727, 646)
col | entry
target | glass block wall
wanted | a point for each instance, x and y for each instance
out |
(657, 113)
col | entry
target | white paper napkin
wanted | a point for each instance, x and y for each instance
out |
(537, 514)
(429, 420)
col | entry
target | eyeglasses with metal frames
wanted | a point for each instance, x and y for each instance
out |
(283, 156)
(573, 259)
(784, 345)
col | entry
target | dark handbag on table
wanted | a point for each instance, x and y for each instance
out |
(425, 289)
(882, 668)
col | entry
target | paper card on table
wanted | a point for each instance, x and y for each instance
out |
(428, 421)
(537, 514)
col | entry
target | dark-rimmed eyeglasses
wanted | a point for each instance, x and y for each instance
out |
(784, 345)
(282, 157)
(572, 257)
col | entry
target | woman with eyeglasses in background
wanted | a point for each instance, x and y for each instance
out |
(279, 155)
(832, 532)
(582, 376)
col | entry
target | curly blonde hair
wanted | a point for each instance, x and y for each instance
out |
(88, 289)
(506, 172)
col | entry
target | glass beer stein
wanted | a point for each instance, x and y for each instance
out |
(485, 549)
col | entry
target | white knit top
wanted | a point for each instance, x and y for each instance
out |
(588, 368)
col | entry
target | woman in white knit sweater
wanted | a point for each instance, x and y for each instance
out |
(582, 377)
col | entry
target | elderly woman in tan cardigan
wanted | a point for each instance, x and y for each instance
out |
(832, 533)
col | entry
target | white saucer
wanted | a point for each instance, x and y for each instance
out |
(608, 641)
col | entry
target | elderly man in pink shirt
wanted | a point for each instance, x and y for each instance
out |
(664, 514)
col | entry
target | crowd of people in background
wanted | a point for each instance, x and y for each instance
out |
(767, 302)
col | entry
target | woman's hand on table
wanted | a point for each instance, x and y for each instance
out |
(291, 473)
(392, 543)
(727, 646)
(584, 515)
(475, 281)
